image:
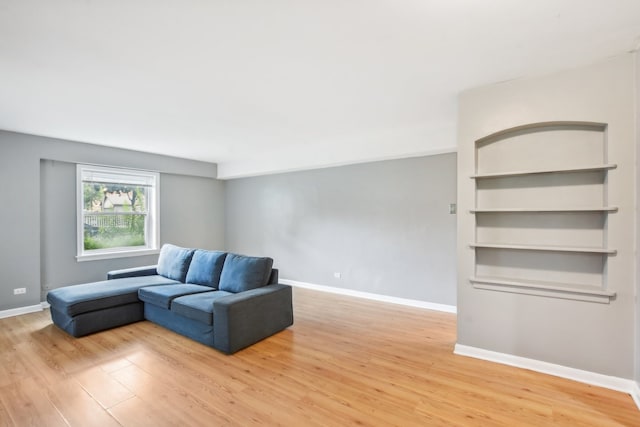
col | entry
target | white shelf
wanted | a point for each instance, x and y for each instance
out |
(549, 289)
(593, 168)
(524, 210)
(545, 248)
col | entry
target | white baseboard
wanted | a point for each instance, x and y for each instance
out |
(372, 296)
(23, 310)
(635, 394)
(592, 378)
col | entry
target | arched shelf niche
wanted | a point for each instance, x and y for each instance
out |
(541, 211)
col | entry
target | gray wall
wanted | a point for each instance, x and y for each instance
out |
(583, 335)
(37, 216)
(385, 226)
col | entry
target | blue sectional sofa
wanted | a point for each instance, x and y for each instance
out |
(223, 300)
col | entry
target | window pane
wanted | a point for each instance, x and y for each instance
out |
(118, 210)
(114, 215)
(103, 231)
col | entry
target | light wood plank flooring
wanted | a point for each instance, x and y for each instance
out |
(346, 361)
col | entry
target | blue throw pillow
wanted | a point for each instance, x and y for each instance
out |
(206, 267)
(242, 273)
(173, 262)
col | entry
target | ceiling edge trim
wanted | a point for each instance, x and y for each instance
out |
(433, 152)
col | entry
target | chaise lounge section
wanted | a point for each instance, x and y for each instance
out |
(224, 300)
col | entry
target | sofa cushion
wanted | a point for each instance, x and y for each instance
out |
(174, 262)
(198, 307)
(162, 295)
(242, 273)
(205, 268)
(77, 299)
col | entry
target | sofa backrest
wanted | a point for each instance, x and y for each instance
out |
(219, 270)
(242, 273)
(174, 262)
(206, 267)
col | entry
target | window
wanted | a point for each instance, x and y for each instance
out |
(117, 212)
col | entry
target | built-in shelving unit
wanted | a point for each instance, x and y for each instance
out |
(541, 211)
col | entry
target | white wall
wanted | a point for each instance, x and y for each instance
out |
(583, 335)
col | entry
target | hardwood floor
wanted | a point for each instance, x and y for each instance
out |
(346, 361)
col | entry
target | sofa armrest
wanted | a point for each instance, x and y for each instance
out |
(245, 318)
(148, 270)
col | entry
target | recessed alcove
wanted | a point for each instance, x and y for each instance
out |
(541, 211)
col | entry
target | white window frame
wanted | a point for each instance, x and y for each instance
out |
(152, 227)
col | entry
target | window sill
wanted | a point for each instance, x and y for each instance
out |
(116, 254)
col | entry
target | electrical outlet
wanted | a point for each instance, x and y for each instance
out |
(19, 291)
(453, 208)
(337, 275)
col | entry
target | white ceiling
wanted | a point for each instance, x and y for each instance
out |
(261, 86)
